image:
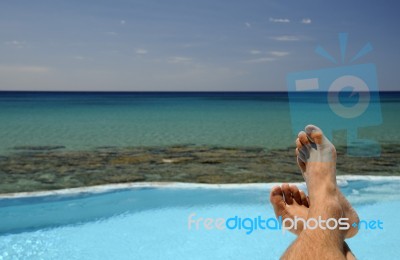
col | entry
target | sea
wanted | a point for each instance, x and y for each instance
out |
(86, 120)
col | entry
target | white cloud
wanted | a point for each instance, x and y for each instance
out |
(23, 69)
(279, 53)
(14, 43)
(279, 20)
(248, 25)
(78, 57)
(260, 60)
(178, 59)
(306, 21)
(285, 38)
(122, 22)
(254, 52)
(111, 33)
(141, 51)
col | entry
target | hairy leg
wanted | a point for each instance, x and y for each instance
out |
(317, 159)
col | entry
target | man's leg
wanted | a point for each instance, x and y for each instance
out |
(290, 202)
(319, 243)
(317, 158)
(303, 144)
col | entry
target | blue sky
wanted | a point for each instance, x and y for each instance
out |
(185, 45)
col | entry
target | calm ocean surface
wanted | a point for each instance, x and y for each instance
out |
(81, 121)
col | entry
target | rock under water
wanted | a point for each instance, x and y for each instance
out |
(53, 167)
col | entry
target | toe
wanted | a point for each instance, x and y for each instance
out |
(277, 200)
(295, 194)
(287, 193)
(304, 200)
(310, 128)
(317, 137)
(302, 146)
(302, 136)
(299, 145)
(302, 154)
(327, 151)
(301, 164)
(315, 134)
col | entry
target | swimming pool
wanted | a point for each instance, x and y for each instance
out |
(150, 221)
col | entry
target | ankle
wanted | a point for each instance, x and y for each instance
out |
(327, 207)
(323, 190)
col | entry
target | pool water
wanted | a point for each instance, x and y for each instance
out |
(151, 222)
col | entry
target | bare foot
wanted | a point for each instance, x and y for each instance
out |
(290, 202)
(316, 157)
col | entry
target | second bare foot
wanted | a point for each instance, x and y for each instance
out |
(290, 202)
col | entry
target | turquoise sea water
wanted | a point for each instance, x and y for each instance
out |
(81, 121)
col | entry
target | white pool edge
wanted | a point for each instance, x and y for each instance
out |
(342, 181)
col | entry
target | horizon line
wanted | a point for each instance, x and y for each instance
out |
(182, 91)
